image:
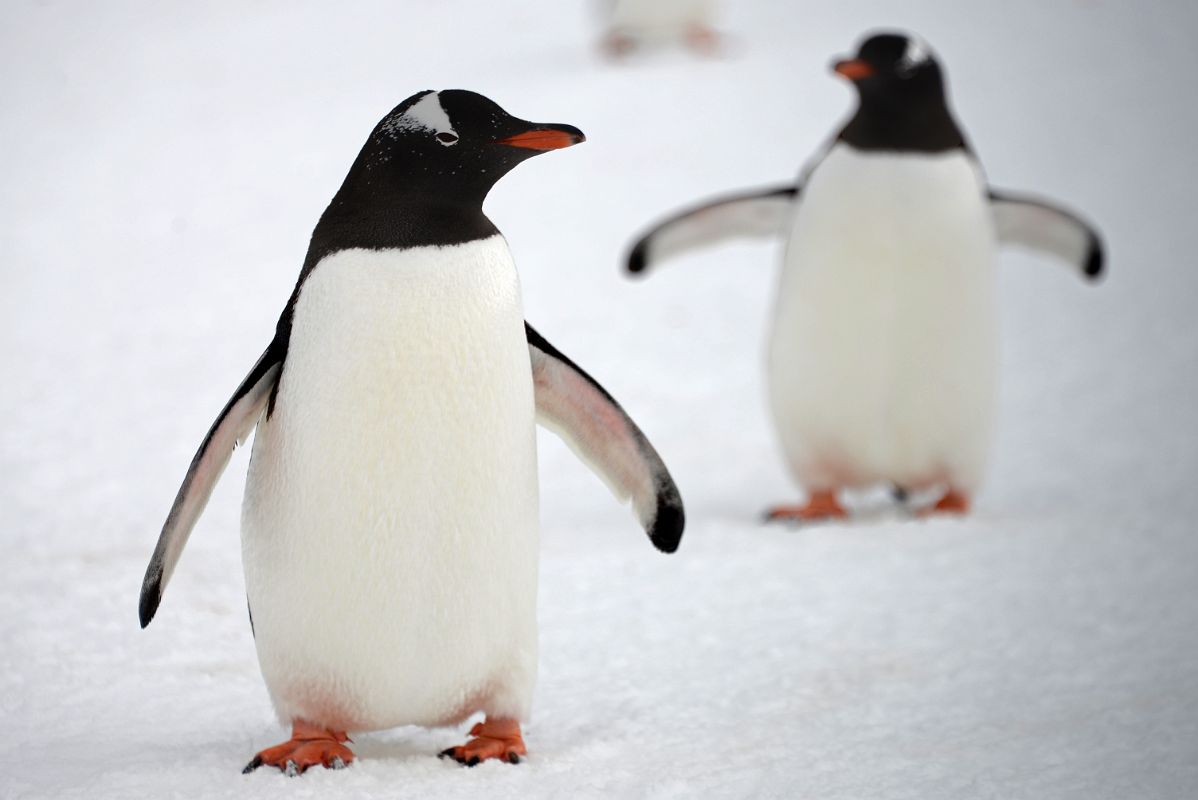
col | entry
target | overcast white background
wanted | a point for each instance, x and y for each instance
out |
(162, 167)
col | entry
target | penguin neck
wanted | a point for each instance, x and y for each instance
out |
(903, 125)
(398, 219)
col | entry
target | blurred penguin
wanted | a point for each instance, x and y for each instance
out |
(640, 24)
(883, 358)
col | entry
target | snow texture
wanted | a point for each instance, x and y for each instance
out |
(163, 167)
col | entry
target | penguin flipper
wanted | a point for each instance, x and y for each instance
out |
(239, 416)
(1041, 226)
(758, 214)
(574, 406)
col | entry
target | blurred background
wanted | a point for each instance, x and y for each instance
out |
(163, 166)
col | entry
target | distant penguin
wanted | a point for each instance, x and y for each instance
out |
(390, 521)
(883, 354)
(634, 24)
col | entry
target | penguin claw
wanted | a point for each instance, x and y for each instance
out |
(310, 745)
(499, 740)
(455, 753)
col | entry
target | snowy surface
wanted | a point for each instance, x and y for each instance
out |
(163, 165)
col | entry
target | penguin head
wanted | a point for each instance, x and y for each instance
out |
(903, 102)
(893, 68)
(451, 146)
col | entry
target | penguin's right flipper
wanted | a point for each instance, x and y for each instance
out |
(1038, 225)
(574, 406)
(763, 213)
(231, 428)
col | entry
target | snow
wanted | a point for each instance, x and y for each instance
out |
(163, 167)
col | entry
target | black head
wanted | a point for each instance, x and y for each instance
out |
(421, 178)
(903, 99)
(453, 144)
(423, 174)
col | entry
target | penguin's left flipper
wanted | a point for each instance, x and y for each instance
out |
(231, 428)
(1038, 225)
(573, 405)
(755, 214)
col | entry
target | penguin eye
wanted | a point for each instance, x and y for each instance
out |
(447, 139)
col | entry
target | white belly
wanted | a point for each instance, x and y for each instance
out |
(389, 528)
(883, 355)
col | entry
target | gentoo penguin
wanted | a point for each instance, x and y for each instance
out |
(389, 527)
(883, 357)
(631, 24)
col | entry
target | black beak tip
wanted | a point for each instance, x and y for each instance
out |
(578, 136)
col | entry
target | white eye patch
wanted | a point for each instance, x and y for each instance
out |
(916, 54)
(425, 115)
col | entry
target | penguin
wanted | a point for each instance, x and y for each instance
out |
(632, 24)
(882, 357)
(390, 520)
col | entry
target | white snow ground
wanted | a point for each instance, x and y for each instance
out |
(163, 165)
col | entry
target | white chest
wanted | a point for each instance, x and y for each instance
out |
(907, 214)
(396, 477)
(408, 340)
(884, 246)
(882, 356)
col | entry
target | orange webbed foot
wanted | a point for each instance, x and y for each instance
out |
(617, 45)
(953, 502)
(703, 40)
(309, 745)
(821, 505)
(499, 739)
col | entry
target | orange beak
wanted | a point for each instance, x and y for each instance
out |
(546, 138)
(854, 69)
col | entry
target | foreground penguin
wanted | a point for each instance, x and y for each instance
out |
(883, 354)
(389, 528)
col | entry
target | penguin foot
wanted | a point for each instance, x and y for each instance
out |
(309, 745)
(953, 502)
(703, 40)
(821, 505)
(495, 739)
(617, 45)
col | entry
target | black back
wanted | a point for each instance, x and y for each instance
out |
(903, 103)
